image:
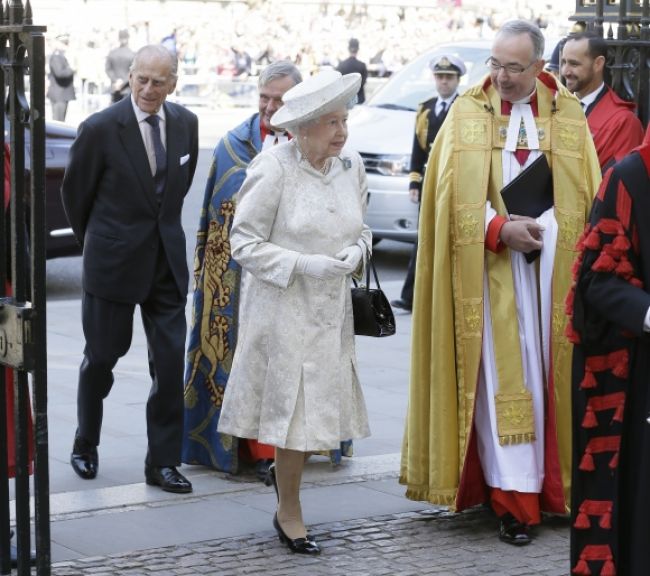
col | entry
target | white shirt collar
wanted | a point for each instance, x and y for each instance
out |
(446, 101)
(142, 116)
(273, 139)
(589, 99)
(449, 100)
(527, 99)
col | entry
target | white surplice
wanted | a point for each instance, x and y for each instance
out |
(518, 467)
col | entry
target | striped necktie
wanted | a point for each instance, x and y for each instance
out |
(161, 156)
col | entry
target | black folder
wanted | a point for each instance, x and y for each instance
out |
(530, 193)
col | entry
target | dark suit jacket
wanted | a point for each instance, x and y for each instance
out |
(427, 125)
(109, 197)
(352, 64)
(61, 86)
(118, 63)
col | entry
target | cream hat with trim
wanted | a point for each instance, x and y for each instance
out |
(317, 95)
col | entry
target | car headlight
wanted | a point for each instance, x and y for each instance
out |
(393, 165)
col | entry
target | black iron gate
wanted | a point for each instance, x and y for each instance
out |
(23, 359)
(625, 24)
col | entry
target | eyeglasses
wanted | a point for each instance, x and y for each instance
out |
(510, 69)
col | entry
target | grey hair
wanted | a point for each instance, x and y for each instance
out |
(157, 50)
(517, 27)
(279, 69)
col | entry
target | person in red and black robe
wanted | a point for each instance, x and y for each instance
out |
(610, 328)
(9, 375)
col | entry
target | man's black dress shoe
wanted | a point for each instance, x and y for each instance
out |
(513, 532)
(272, 480)
(13, 554)
(168, 478)
(262, 469)
(84, 459)
(299, 545)
(403, 304)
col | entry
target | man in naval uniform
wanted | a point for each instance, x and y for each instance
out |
(447, 70)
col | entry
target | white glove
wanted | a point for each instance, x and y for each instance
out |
(351, 255)
(321, 266)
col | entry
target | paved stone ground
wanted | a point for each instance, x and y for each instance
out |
(407, 544)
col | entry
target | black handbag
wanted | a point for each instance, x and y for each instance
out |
(373, 315)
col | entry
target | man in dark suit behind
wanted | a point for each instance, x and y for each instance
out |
(130, 168)
(61, 79)
(118, 66)
(353, 64)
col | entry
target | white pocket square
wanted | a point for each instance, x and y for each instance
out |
(184, 159)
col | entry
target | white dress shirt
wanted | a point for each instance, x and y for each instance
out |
(588, 100)
(146, 131)
(447, 102)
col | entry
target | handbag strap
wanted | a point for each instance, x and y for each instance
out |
(374, 273)
(369, 264)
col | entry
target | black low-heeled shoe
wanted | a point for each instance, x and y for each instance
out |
(271, 480)
(299, 545)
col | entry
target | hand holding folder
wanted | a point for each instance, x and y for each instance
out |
(530, 194)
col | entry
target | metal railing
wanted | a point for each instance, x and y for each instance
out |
(625, 24)
(22, 288)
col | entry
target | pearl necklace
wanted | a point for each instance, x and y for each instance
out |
(324, 169)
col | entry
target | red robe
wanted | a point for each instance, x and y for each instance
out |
(9, 374)
(250, 450)
(615, 128)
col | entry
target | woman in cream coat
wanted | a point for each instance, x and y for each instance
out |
(299, 234)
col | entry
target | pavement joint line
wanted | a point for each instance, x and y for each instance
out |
(174, 500)
(138, 496)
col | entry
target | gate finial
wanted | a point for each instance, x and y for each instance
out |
(16, 12)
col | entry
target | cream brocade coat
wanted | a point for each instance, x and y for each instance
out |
(294, 377)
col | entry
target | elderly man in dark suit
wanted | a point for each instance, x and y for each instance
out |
(130, 168)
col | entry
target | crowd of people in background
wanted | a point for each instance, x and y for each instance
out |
(236, 40)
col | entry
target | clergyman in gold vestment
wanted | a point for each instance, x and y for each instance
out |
(489, 398)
